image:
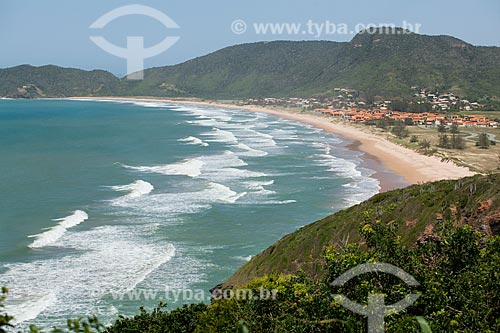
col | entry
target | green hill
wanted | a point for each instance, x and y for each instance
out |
(27, 81)
(414, 211)
(375, 64)
(278, 68)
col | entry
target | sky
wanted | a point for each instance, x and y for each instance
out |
(41, 32)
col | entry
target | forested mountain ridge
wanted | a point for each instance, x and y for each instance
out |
(376, 64)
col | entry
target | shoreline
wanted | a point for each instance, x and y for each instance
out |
(410, 166)
(388, 180)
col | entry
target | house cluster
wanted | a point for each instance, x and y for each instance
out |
(446, 101)
(424, 118)
(294, 102)
(345, 98)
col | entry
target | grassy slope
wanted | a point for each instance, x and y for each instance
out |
(413, 209)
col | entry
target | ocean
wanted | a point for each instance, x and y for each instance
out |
(107, 205)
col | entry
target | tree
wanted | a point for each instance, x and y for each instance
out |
(444, 141)
(425, 144)
(5, 319)
(457, 142)
(382, 123)
(414, 139)
(483, 141)
(400, 130)
(454, 129)
(441, 128)
(409, 122)
(399, 105)
(419, 107)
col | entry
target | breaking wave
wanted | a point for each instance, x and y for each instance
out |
(54, 233)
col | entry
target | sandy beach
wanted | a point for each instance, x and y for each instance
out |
(413, 167)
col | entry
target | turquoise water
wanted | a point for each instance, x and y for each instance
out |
(124, 198)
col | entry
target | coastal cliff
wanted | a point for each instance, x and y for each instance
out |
(416, 212)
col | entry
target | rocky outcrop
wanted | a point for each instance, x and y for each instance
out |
(27, 91)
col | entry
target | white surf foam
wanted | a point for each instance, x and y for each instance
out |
(31, 307)
(243, 258)
(53, 234)
(152, 104)
(189, 267)
(191, 168)
(153, 265)
(261, 134)
(222, 168)
(360, 187)
(226, 168)
(338, 165)
(216, 114)
(107, 259)
(204, 122)
(260, 138)
(227, 159)
(236, 132)
(191, 140)
(225, 193)
(257, 187)
(284, 134)
(249, 151)
(283, 202)
(218, 135)
(246, 120)
(168, 206)
(241, 132)
(135, 189)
